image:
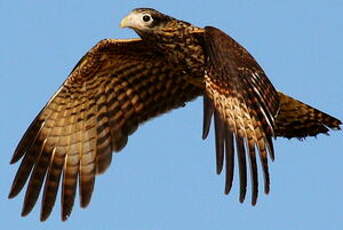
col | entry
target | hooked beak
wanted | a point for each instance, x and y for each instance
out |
(126, 21)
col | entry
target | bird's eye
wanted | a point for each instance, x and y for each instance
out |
(146, 18)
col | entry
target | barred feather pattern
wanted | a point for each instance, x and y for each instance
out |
(115, 87)
(296, 119)
(248, 111)
(245, 104)
(119, 84)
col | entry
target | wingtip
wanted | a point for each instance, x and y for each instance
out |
(219, 170)
(227, 189)
(204, 136)
(12, 194)
(43, 217)
(25, 211)
(65, 217)
(84, 202)
(27, 207)
(65, 214)
(242, 197)
(267, 190)
(45, 212)
(15, 190)
(14, 159)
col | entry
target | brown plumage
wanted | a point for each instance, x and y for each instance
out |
(119, 84)
(116, 86)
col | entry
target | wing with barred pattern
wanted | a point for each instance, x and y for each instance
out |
(244, 104)
(116, 86)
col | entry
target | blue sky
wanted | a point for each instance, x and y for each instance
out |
(165, 177)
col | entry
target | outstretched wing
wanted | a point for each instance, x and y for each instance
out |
(116, 86)
(244, 104)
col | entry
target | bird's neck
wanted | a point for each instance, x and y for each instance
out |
(181, 47)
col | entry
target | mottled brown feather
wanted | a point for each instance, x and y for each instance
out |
(115, 87)
(296, 119)
(246, 101)
(119, 84)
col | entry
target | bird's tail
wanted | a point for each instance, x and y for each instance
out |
(296, 119)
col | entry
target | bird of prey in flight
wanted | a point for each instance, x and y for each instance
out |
(119, 84)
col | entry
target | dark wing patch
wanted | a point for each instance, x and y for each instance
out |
(245, 104)
(115, 87)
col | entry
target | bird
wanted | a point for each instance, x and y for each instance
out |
(121, 83)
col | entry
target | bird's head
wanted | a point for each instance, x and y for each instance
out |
(146, 22)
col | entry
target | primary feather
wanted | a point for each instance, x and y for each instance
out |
(119, 84)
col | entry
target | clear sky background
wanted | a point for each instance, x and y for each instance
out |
(165, 178)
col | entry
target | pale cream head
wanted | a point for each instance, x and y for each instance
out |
(137, 20)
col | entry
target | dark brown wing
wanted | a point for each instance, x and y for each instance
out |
(244, 103)
(116, 86)
(296, 119)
